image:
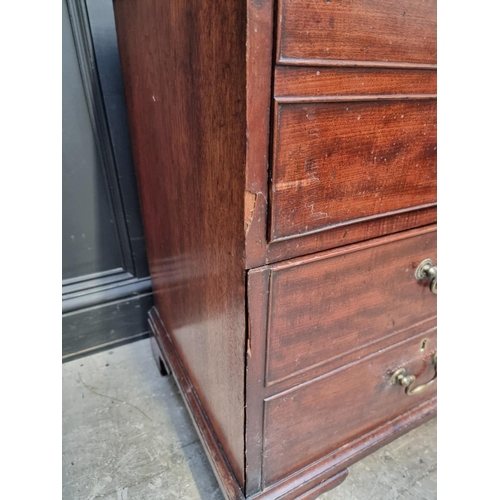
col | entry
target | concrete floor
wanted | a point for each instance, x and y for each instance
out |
(128, 436)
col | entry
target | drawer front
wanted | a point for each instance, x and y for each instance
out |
(308, 422)
(376, 31)
(338, 163)
(323, 308)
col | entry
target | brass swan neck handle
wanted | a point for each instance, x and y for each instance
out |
(400, 377)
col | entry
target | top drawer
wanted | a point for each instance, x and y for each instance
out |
(380, 32)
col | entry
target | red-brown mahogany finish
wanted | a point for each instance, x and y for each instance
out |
(296, 83)
(350, 304)
(341, 235)
(184, 71)
(345, 300)
(384, 32)
(285, 156)
(259, 70)
(312, 420)
(340, 162)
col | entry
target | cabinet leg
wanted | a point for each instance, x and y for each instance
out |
(159, 359)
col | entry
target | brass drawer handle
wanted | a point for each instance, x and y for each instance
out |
(427, 270)
(400, 377)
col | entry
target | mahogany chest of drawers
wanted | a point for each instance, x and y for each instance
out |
(286, 161)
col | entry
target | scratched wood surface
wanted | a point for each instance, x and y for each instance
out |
(344, 235)
(381, 31)
(207, 142)
(341, 162)
(258, 106)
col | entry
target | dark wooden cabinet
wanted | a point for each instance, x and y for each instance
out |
(286, 162)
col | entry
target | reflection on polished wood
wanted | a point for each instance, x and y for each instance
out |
(287, 206)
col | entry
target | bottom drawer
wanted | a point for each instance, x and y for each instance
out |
(305, 423)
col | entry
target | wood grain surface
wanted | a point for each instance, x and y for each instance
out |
(307, 422)
(374, 31)
(260, 28)
(184, 72)
(164, 351)
(341, 162)
(306, 83)
(236, 174)
(339, 236)
(325, 308)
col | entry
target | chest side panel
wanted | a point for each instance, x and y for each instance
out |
(185, 81)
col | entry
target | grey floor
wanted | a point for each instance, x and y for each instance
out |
(127, 436)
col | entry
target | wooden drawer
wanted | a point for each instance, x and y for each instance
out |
(325, 306)
(383, 32)
(280, 221)
(338, 163)
(314, 419)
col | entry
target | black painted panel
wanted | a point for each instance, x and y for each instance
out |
(90, 239)
(104, 326)
(106, 285)
(102, 25)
